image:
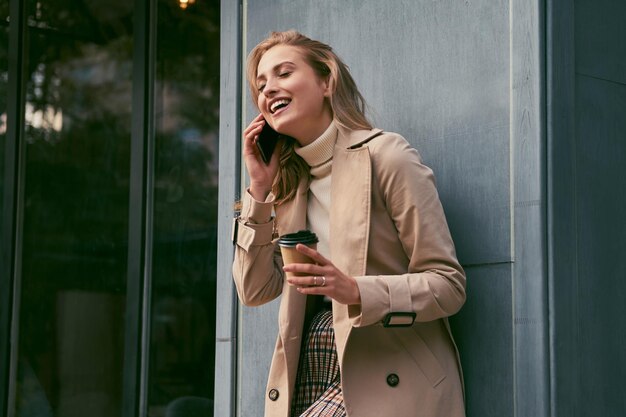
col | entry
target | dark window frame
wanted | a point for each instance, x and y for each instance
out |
(13, 208)
(140, 220)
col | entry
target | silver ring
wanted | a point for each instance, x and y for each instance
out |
(315, 281)
(323, 282)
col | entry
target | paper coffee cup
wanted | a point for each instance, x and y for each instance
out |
(288, 244)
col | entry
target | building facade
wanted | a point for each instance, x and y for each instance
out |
(109, 153)
(120, 126)
(518, 106)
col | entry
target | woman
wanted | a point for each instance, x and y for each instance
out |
(379, 345)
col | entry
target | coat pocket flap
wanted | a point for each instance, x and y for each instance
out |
(421, 354)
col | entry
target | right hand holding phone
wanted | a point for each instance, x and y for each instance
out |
(261, 175)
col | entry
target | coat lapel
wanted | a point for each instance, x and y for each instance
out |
(350, 210)
(349, 228)
(291, 217)
(349, 215)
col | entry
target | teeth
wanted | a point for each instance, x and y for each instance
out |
(278, 103)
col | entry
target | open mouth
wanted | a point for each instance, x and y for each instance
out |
(279, 104)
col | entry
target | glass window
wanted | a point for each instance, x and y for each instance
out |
(4, 79)
(182, 345)
(77, 133)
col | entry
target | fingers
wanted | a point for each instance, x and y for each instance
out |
(261, 175)
(332, 286)
(304, 273)
(317, 281)
(318, 284)
(313, 279)
(251, 133)
(312, 253)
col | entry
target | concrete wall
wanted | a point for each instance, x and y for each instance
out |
(461, 80)
(519, 109)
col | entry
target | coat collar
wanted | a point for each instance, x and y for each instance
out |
(351, 139)
(350, 200)
(292, 214)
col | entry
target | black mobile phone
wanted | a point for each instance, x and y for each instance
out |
(266, 142)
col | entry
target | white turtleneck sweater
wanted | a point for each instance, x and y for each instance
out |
(319, 156)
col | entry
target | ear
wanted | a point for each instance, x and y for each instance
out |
(326, 85)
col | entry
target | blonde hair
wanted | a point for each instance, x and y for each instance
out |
(346, 102)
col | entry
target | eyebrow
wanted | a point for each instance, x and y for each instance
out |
(275, 68)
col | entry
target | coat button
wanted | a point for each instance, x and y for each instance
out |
(393, 380)
(273, 394)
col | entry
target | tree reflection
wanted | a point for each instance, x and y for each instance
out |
(187, 96)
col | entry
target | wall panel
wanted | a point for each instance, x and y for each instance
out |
(600, 36)
(461, 81)
(257, 338)
(601, 243)
(435, 72)
(484, 334)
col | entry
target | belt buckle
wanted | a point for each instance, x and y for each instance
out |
(399, 319)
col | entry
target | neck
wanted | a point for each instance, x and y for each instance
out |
(315, 131)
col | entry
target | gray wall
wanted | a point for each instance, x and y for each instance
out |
(519, 108)
(461, 81)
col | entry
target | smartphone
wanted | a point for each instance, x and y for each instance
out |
(266, 142)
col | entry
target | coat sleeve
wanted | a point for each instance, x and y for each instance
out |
(257, 267)
(434, 283)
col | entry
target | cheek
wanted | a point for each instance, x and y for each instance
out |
(260, 102)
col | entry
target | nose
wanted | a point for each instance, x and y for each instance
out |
(270, 88)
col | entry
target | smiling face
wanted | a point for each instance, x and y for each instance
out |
(292, 98)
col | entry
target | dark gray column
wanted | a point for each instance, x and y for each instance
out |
(587, 150)
(229, 175)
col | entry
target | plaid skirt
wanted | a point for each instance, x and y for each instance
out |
(318, 386)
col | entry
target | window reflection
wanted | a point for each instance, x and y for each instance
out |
(4, 78)
(77, 130)
(4, 280)
(185, 211)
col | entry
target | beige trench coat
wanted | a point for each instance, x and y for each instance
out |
(388, 230)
